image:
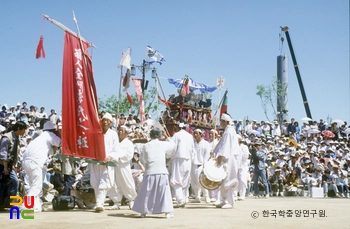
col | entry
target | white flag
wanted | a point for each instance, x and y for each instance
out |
(220, 82)
(153, 56)
(126, 59)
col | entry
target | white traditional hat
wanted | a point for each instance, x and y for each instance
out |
(278, 170)
(226, 117)
(181, 124)
(108, 116)
(49, 126)
(198, 130)
(127, 129)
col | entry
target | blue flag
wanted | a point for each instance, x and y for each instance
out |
(153, 56)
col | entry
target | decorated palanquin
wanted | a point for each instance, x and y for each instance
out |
(195, 117)
(189, 108)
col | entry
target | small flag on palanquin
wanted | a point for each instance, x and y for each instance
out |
(186, 87)
(167, 103)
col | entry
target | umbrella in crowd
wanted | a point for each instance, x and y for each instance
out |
(338, 121)
(306, 119)
(313, 131)
(255, 132)
(328, 134)
(293, 142)
(346, 131)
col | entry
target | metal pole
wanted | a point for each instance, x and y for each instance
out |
(156, 93)
(301, 86)
(143, 76)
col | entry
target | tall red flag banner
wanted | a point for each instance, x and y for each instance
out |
(223, 105)
(81, 130)
(138, 89)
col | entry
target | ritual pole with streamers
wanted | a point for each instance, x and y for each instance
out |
(161, 88)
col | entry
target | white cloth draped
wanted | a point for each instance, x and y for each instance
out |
(122, 171)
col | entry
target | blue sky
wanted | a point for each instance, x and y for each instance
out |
(238, 40)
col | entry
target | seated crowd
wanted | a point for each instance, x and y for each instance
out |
(296, 158)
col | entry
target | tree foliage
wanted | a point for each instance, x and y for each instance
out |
(110, 104)
(272, 95)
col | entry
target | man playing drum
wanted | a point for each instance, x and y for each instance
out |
(226, 152)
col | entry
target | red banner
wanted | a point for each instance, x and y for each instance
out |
(81, 130)
(137, 84)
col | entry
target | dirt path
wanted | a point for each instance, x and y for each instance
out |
(251, 213)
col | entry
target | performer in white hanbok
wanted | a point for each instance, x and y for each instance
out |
(213, 141)
(102, 176)
(154, 196)
(35, 157)
(181, 164)
(122, 171)
(243, 167)
(200, 157)
(226, 152)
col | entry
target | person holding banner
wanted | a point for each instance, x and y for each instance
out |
(226, 153)
(102, 176)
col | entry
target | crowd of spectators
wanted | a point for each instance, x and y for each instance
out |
(296, 157)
